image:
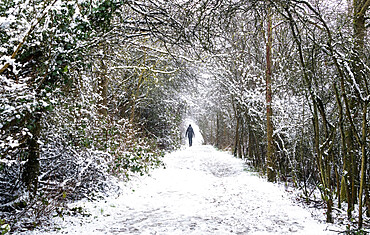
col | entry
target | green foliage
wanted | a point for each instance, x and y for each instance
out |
(350, 231)
(75, 211)
(4, 227)
(135, 155)
(102, 14)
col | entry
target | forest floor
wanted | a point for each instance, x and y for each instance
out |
(200, 191)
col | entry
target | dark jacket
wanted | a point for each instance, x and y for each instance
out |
(189, 132)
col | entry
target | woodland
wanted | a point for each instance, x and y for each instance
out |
(92, 91)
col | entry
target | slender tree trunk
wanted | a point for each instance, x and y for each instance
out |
(236, 144)
(271, 168)
(322, 166)
(225, 139)
(103, 89)
(352, 175)
(359, 12)
(218, 130)
(325, 151)
(346, 182)
(250, 145)
(241, 140)
(338, 180)
(363, 166)
(301, 154)
(367, 199)
(344, 188)
(211, 137)
(32, 166)
(317, 143)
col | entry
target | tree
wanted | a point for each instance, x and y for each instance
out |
(270, 158)
(360, 79)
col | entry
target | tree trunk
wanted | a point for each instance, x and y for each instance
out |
(241, 140)
(218, 130)
(211, 137)
(363, 167)
(352, 175)
(367, 199)
(236, 144)
(347, 178)
(32, 166)
(359, 12)
(322, 166)
(344, 188)
(103, 90)
(271, 168)
(250, 145)
(326, 151)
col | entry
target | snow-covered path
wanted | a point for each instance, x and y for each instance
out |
(201, 191)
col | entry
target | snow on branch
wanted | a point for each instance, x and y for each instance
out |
(33, 25)
(144, 68)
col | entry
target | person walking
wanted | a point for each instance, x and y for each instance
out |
(190, 134)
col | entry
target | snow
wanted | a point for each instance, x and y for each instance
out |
(200, 191)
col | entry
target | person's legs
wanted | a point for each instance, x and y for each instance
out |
(190, 141)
